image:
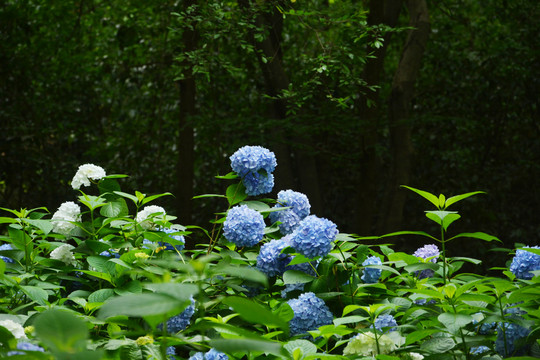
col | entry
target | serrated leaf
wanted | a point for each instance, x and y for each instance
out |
(114, 209)
(454, 322)
(35, 293)
(101, 295)
(426, 195)
(455, 199)
(61, 330)
(140, 305)
(44, 225)
(438, 345)
(236, 193)
(233, 346)
(296, 277)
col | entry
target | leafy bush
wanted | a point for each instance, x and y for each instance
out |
(112, 277)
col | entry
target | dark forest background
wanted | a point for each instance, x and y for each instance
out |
(354, 97)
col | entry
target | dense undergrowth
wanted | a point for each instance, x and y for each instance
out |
(109, 276)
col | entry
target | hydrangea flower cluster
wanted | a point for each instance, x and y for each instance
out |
(26, 346)
(310, 313)
(212, 354)
(85, 173)
(16, 329)
(6, 259)
(364, 344)
(427, 252)
(63, 253)
(385, 323)
(270, 259)
(181, 321)
(255, 164)
(314, 236)
(243, 226)
(524, 262)
(68, 211)
(290, 218)
(512, 333)
(144, 216)
(477, 350)
(371, 275)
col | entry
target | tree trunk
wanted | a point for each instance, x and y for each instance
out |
(185, 141)
(380, 12)
(399, 110)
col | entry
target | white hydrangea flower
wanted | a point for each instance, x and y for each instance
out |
(16, 329)
(64, 254)
(416, 356)
(85, 173)
(142, 216)
(364, 344)
(68, 211)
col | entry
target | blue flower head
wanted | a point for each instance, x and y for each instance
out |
(477, 350)
(255, 164)
(310, 313)
(427, 252)
(171, 352)
(524, 262)
(181, 321)
(270, 259)
(213, 354)
(6, 259)
(243, 226)
(371, 275)
(383, 322)
(290, 218)
(26, 346)
(314, 236)
(515, 336)
(179, 238)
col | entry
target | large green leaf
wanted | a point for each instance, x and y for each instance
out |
(61, 330)
(454, 322)
(455, 199)
(243, 346)
(426, 195)
(236, 193)
(296, 277)
(254, 312)
(115, 208)
(139, 305)
(476, 235)
(44, 225)
(438, 345)
(35, 293)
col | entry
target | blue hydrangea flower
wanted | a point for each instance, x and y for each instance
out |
(371, 275)
(258, 183)
(477, 350)
(310, 313)
(385, 321)
(426, 252)
(314, 236)
(255, 164)
(485, 328)
(524, 262)
(290, 218)
(26, 346)
(270, 259)
(243, 226)
(171, 352)
(424, 302)
(213, 354)
(513, 333)
(6, 259)
(181, 321)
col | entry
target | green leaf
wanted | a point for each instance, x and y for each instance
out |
(2, 267)
(176, 290)
(353, 319)
(420, 233)
(115, 208)
(128, 196)
(476, 235)
(254, 312)
(426, 195)
(44, 225)
(108, 185)
(7, 340)
(61, 330)
(438, 345)
(296, 277)
(455, 199)
(139, 305)
(419, 335)
(101, 295)
(236, 193)
(233, 346)
(454, 322)
(35, 293)
(153, 197)
(443, 218)
(307, 347)
(244, 272)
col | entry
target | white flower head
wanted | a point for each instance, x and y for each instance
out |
(68, 211)
(143, 215)
(64, 254)
(85, 173)
(16, 329)
(364, 344)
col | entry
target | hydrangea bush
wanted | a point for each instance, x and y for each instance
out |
(115, 276)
